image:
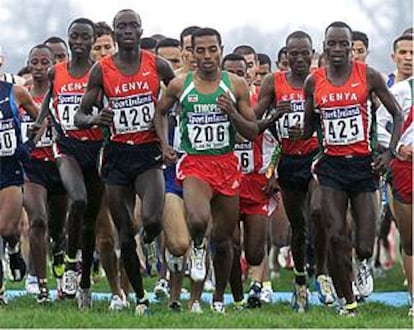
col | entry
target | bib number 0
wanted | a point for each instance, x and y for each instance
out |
(8, 143)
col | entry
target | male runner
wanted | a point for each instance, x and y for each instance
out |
(45, 199)
(76, 153)
(131, 159)
(209, 170)
(347, 170)
(59, 48)
(12, 151)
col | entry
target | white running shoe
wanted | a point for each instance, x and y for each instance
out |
(196, 308)
(32, 285)
(266, 295)
(175, 264)
(218, 307)
(325, 289)
(198, 264)
(69, 283)
(285, 258)
(364, 280)
(118, 303)
(209, 286)
(161, 289)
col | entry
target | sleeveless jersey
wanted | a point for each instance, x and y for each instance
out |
(10, 133)
(67, 94)
(204, 128)
(132, 98)
(43, 150)
(255, 156)
(346, 122)
(285, 92)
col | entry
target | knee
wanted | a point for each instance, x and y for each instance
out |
(38, 224)
(197, 219)
(79, 205)
(364, 250)
(179, 245)
(105, 244)
(255, 256)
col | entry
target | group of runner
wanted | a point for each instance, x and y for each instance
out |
(197, 154)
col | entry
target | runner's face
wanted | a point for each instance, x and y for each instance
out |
(338, 46)
(104, 45)
(207, 53)
(187, 53)
(283, 64)
(251, 67)
(39, 62)
(237, 67)
(128, 29)
(359, 51)
(262, 71)
(299, 54)
(172, 55)
(81, 39)
(403, 57)
(59, 51)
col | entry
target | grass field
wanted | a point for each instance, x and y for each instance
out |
(25, 312)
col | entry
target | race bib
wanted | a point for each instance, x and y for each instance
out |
(47, 138)
(133, 114)
(343, 126)
(244, 152)
(291, 119)
(208, 130)
(8, 139)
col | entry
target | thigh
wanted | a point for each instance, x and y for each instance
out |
(225, 214)
(334, 205)
(174, 223)
(11, 207)
(150, 187)
(72, 177)
(365, 213)
(121, 202)
(197, 195)
(255, 232)
(35, 201)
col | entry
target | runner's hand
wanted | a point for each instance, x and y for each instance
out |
(379, 166)
(295, 132)
(271, 187)
(104, 118)
(169, 155)
(225, 103)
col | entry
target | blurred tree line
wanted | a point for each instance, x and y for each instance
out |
(26, 23)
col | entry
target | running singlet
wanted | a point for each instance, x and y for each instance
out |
(255, 156)
(285, 92)
(346, 122)
(132, 98)
(10, 134)
(204, 128)
(67, 94)
(43, 149)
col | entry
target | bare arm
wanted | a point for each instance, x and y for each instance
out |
(23, 99)
(377, 85)
(83, 117)
(169, 97)
(266, 96)
(311, 117)
(165, 70)
(242, 117)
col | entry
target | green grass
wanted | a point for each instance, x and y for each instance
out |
(25, 312)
